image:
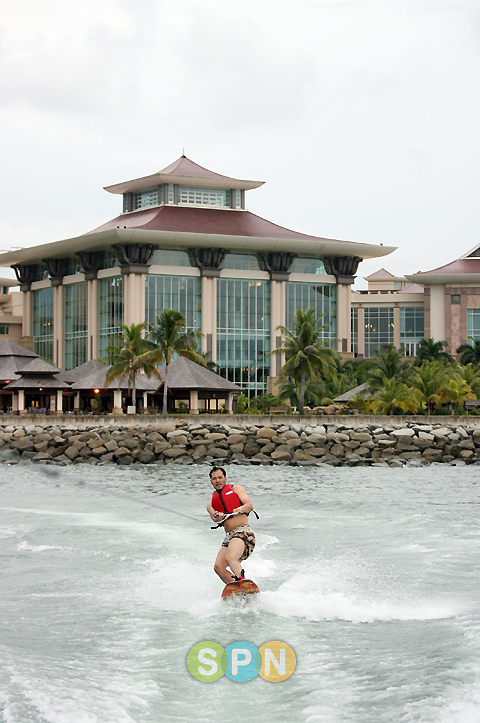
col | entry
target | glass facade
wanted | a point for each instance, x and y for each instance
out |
(76, 324)
(245, 262)
(243, 333)
(308, 266)
(204, 196)
(171, 257)
(110, 305)
(183, 293)
(473, 324)
(412, 328)
(42, 322)
(379, 328)
(323, 298)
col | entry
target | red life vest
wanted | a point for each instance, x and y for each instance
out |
(230, 500)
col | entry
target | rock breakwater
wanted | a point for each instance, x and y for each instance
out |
(299, 443)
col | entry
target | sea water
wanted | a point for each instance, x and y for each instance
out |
(369, 574)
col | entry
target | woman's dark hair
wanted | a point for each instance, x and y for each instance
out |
(217, 469)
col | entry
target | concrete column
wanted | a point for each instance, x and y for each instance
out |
(437, 312)
(92, 351)
(145, 402)
(344, 319)
(59, 326)
(76, 402)
(117, 401)
(361, 331)
(193, 401)
(209, 316)
(134, 295)
(14, 402)
(21, 401)
(27, 329)
(229, 403)
(59, 401)
(396, 325)
(277, 318)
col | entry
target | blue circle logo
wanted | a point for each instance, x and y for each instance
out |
(244, 661)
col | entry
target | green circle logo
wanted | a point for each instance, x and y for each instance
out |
(207, 661)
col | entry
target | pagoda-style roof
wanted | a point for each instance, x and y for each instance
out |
(183, 172)
(185, 374)
(173, 226)
(461, 271)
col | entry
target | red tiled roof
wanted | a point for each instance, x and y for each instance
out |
(183, 166)
(178, 219)
(460, 266)
(380, 274)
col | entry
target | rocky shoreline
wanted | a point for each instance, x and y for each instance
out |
(186, 442)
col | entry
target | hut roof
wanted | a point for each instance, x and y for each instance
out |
(15, 360)
(359, 391)
(96, 379)
(38, 366)
(39, 381)
(85, 370)
(186, 374)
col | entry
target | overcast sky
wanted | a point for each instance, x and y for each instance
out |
(362, 116)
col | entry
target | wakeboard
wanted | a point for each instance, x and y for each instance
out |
(242, 587)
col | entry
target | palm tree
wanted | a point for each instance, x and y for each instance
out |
(470, 353)
(457, 392)
(289, 390)
(389, 363)
(129, 355)
(395, 396)
(171, 337)
(471, 375)
(307, 357)
(429, 380)
(429, 349)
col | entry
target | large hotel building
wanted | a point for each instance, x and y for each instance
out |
(185, 240)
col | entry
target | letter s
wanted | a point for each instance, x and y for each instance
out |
(202, 659)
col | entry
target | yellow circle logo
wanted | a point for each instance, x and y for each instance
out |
(278, 661)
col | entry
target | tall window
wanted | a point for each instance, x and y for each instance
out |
(110, 302)
(76, 324)
(412, 328)
(473, 324)
(182, 293)
(243, 333)
(323, 298)
(379, 328)
(354, 329)
(42, 320)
